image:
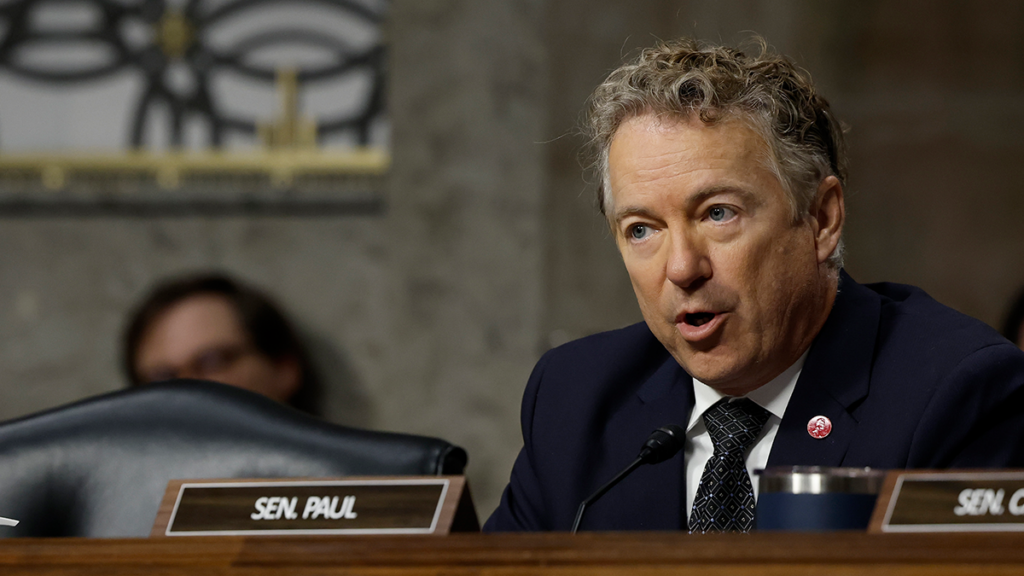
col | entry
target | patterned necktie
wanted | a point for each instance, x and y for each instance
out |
(725, 497)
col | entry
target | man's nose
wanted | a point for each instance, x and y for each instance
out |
(688, 263)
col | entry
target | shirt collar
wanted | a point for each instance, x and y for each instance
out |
(773, 396)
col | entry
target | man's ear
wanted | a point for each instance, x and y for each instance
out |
(828, 214)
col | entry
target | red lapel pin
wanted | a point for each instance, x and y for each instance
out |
(819, 427)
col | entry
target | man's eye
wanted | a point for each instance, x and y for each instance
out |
(721, 213)
(639, 231)
(217, 359)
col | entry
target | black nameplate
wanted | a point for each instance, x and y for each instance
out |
(956, 501)
(364, 506)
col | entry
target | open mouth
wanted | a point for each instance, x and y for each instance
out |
(698, 318)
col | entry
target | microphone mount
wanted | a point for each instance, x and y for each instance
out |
(661, 445)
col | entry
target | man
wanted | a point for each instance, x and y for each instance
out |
(722, 180)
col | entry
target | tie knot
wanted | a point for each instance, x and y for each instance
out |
(733, 426)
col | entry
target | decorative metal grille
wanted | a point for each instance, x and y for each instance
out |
(180, 50)
(181, 35)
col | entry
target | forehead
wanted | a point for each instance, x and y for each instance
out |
(191, 325)
(651, 152)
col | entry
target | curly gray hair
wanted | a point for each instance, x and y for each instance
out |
(767, 91)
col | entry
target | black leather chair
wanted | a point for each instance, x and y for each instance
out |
(99, 467)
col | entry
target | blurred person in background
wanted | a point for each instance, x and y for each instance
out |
(212, 327)
(1013, 326)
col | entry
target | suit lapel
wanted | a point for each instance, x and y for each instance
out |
(834, 379)
(667, 398)
(652, 498)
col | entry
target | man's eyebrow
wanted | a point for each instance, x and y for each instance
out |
(695, 200)
(705, 194)
(632, 211)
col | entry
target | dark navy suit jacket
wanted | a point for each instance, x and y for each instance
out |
(906, 382)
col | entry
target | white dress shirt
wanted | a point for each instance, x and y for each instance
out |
(773, 397)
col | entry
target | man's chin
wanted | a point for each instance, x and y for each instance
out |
(722, 374)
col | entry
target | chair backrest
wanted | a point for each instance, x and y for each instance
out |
(99, 467)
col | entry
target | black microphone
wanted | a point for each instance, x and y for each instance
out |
(661, 445)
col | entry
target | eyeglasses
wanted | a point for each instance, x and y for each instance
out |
(205, 365)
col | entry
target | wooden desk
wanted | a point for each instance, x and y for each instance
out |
(494, 555)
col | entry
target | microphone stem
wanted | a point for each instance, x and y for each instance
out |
(600, 491)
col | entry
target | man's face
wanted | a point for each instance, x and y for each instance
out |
(201, 337)
(726, 279)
